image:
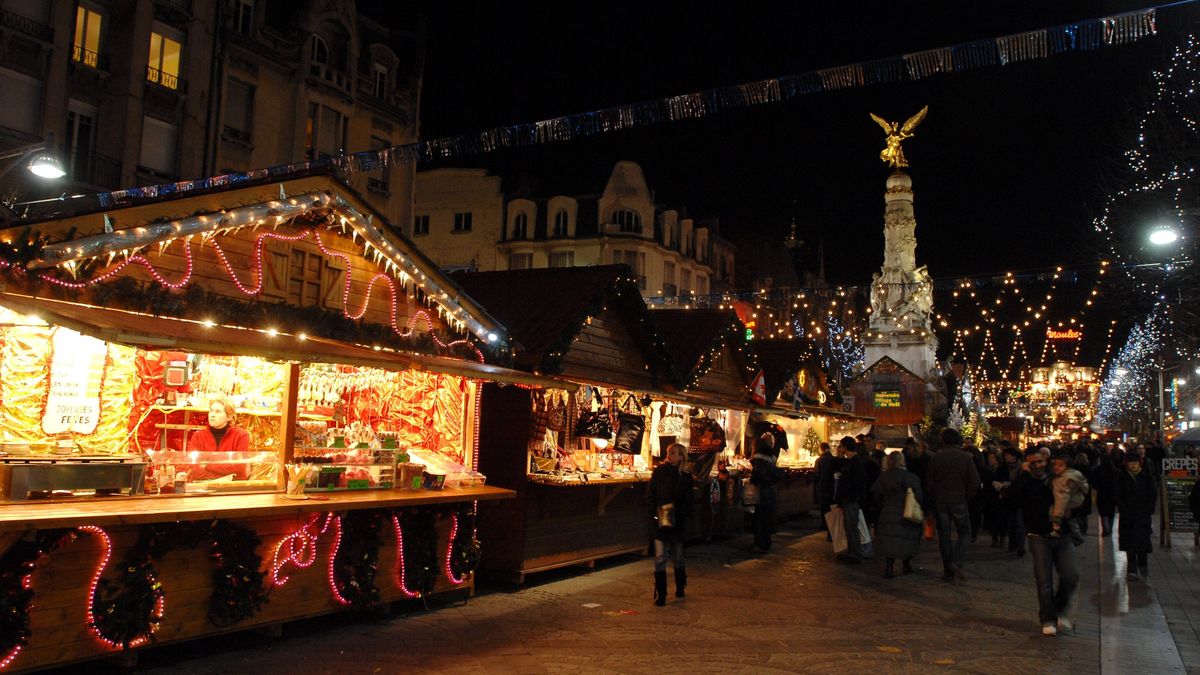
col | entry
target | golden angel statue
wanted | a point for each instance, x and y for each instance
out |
(893, 154)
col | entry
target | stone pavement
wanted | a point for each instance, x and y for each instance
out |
(793, 610)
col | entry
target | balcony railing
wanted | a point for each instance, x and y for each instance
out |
(89, 58)
(329, 75)
(378, 186)
(26, 26)
(163, 79)
(94, 168)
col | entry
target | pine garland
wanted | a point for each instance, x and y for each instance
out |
(465, 549)
(357, 561)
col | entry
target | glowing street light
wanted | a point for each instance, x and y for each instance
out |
(1163, 235)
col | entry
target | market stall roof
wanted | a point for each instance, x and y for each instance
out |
(692, 333)
(781, 360)
(1189, 437)
(810, 410)
(156, 332)
(545, 310)
(94, 232)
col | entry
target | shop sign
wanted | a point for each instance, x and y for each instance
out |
(887, 398)
(73, 399)
(1068, 334)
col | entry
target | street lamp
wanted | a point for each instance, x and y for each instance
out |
(1163, 236)
(41, 161)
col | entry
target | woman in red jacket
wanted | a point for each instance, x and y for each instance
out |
(220, 436)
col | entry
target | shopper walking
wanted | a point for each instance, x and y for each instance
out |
(1104, 482)
(669, 497)
(951, 482)
(764, 474)
(1012, 505)
(1050, 554)
(826, 467)
(895, 536)
(853, 492)
(1137, 495)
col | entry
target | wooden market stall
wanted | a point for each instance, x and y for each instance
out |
(349, 370)
(803, 410)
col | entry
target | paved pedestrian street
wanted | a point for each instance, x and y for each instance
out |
(793, 610)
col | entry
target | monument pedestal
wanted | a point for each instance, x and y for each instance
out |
(917, 353)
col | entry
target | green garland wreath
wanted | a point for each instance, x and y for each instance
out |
(357, 561)
(15, 598)
(464, 549)
(420, 548)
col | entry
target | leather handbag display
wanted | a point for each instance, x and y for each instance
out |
(630, 428)
(594, 424)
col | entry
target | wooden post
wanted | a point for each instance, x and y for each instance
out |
(287, 420)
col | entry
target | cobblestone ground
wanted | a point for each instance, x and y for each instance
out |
(793, 610)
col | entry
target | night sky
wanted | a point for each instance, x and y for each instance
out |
(1009, 168)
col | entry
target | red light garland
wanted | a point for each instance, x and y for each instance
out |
(258, 249)
(399, 575)
(159, 603)
(337, 543)
(450, 550)
(301, 550)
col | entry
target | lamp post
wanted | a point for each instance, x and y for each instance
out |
(41, 160)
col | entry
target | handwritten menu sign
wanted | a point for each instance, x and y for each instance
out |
(73, 400)
(1179, 511)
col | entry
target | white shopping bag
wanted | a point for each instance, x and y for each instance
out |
(835, 520)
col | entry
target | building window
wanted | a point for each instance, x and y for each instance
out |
(520, 228)
(520, 261)
(381, 81)
(241, 15)
(164, 61)
(669, 288)
(701, 285)
(239, 111)
(81, 133)
(562, 259)
(560, 223)
(420, 225)
(636, 261)
(320, 50)
(628, 221)
(685, 282)
(379, 180)
(326, 131)
(159, 140)
(462, 222)
(86, 47)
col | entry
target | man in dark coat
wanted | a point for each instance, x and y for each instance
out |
(764, 473)
(669, 497)
(825, 467)
(1137, 495)
(1035, 496)
(1104, 482)
(951, 482)
(852, 494)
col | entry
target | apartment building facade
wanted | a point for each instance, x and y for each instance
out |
(463, 220)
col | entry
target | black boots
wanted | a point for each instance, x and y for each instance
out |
(660, 587)
(889, 571)
(680, 581)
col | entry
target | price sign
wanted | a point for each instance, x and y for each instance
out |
(73, 402)
(1179, 512)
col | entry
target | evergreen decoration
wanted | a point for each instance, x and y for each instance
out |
(841, 353)
(464, 549)
(420, 548)
(15, 597)
(811, 442)
(239, 585)
(357, 561)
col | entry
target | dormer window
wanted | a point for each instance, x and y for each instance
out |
(560, 223)
(320, 50)
(628, 221)
(520, 226)
(381, 80)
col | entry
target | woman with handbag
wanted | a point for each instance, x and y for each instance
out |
(898, 534)
(669, 497)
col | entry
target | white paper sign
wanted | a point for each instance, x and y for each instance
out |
(73, 402)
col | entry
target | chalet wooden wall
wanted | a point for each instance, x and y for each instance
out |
(607, 351)
(61, 583)
(294, 272)
(912, 395)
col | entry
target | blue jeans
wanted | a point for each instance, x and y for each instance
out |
(1048, 555)
(958, 517)
(671, 548)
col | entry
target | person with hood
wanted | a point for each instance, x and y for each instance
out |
(896, 537)
(854, 492)
(669, 496)
(1137, 495)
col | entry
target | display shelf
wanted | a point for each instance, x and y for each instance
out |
(241, 411)
(556, 481)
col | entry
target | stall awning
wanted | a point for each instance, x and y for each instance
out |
(156, 332)
(808, 410)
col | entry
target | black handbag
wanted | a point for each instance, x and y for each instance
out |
(594, 424)
(631, 426)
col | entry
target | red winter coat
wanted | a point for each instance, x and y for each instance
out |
(234, 440)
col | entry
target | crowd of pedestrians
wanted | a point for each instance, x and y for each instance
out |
(1036, 499)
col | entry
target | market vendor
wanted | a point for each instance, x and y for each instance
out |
(220, 435)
